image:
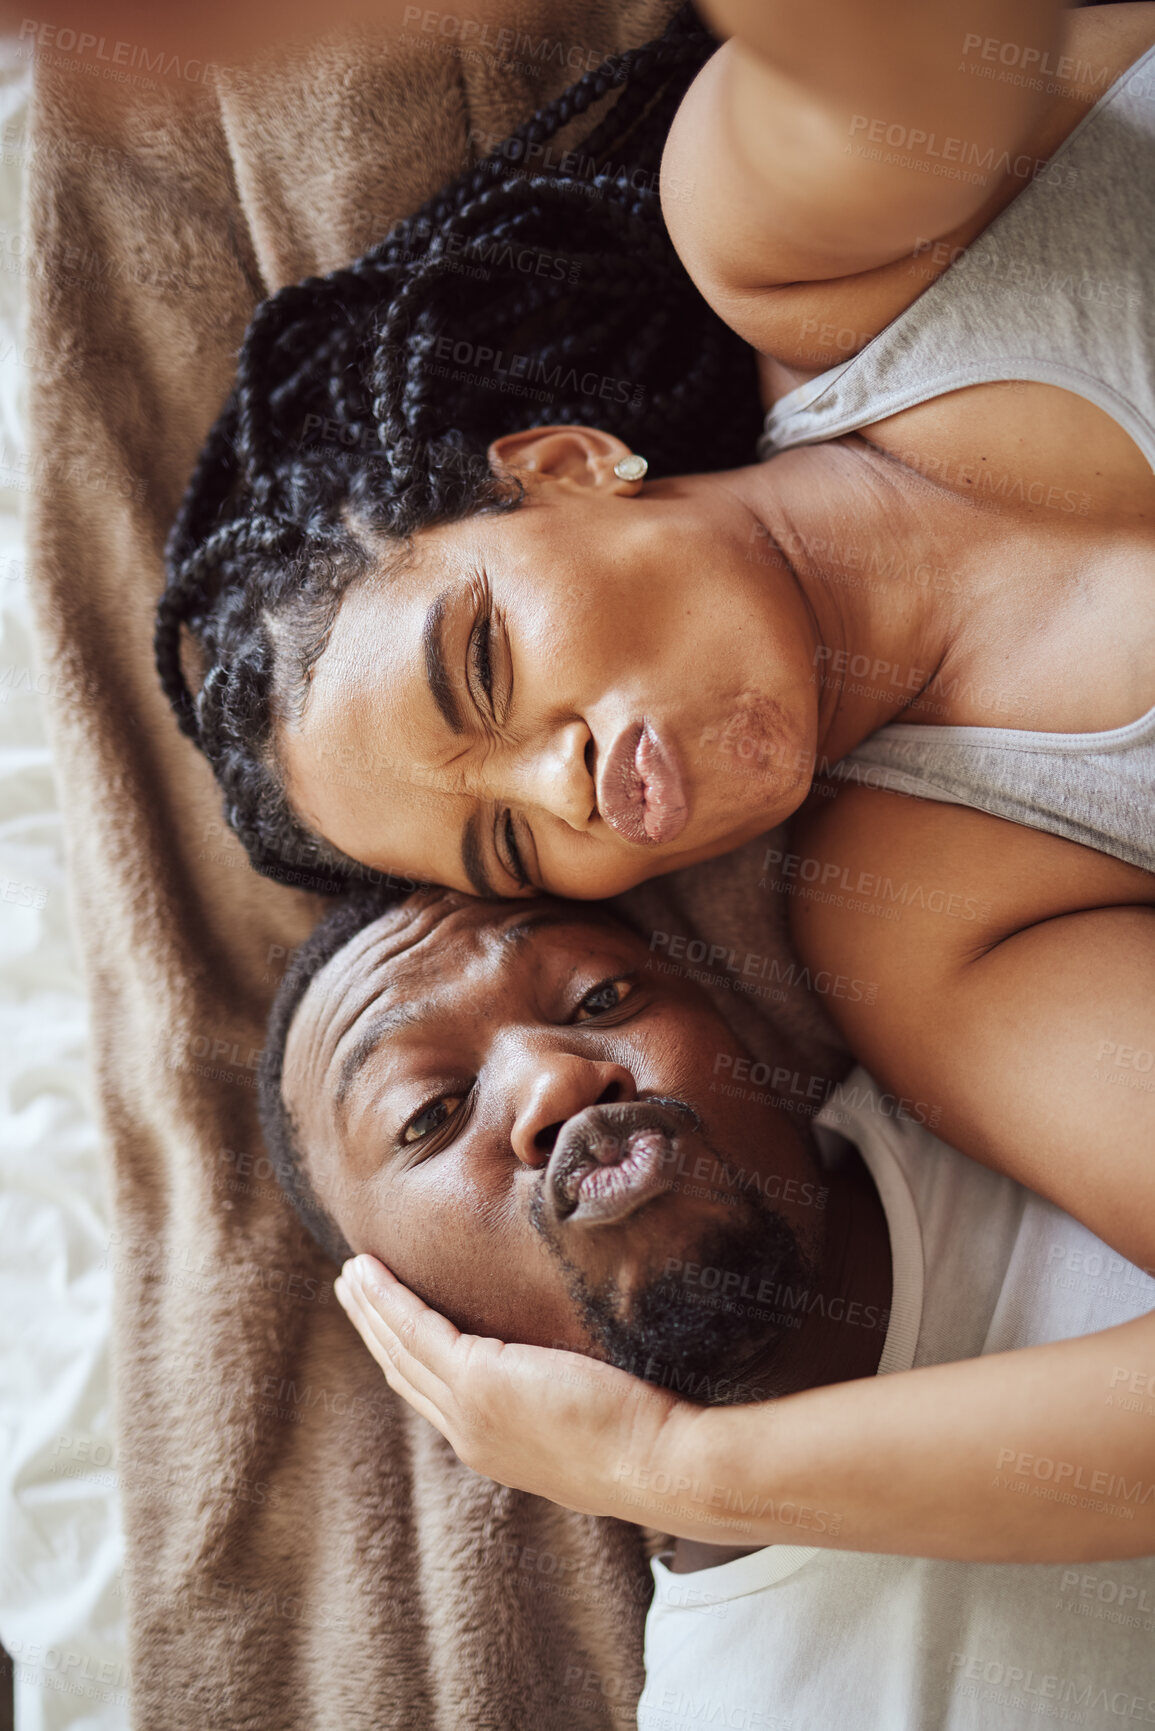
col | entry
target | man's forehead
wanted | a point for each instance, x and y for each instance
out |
(432, 940)
(395, 949)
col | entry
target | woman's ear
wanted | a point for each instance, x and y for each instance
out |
(574, 456)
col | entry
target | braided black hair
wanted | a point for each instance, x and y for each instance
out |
(289, 1159)
(276, 523)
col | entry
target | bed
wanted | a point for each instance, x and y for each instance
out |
(61, 1604)
(261, 1535)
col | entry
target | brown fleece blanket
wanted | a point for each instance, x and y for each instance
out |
(303, 1551)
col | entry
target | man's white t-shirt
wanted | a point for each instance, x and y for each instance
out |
(801, 1637)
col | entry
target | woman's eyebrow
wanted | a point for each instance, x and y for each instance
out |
(437, 672)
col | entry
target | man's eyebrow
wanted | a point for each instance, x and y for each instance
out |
(517, 934)
(409, 1015)
(355, 1059)
(472, 863)
(436, 671)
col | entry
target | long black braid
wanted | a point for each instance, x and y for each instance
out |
(343, 427)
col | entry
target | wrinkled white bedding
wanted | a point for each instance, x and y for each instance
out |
(61, 1611)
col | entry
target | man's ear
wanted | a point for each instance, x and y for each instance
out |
(582, 457)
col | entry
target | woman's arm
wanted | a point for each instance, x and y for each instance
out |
(1015, 977)
(1042, 1455)
(823, 142)
(893, 53)
(1037, 1456)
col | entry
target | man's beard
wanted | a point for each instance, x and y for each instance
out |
(693, 1338)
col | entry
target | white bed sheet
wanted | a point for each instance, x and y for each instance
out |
(61, 1549)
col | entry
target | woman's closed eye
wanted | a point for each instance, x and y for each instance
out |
(489, 664)
(509, 853)
(481, 658)
(480, 678)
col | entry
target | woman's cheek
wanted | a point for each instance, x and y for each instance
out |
(586, 875)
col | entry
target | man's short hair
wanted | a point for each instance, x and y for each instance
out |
(282, 1139)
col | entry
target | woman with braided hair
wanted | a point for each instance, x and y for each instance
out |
(499, 645)
(365, 403)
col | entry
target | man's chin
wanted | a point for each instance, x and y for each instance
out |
(710, 1304)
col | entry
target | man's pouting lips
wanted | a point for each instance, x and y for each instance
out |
(505, 1104)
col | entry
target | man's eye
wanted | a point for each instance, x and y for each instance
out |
(602, 999)
(431, 1118)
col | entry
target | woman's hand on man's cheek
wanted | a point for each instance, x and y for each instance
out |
(558, 1424)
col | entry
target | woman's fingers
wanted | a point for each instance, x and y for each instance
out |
(542, 1420)
(404, 1371)
(399, 1319)
(395, 1320)
(425, 1358)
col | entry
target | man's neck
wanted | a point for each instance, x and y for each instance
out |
(833, 1329)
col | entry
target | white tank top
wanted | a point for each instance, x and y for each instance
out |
(1060, 290)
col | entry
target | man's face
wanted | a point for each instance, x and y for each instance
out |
(519, 1116)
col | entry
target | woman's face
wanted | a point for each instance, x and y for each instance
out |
(597, 687)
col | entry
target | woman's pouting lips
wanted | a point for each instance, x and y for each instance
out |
(642, 795)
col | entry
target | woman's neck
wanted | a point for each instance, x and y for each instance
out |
(893, 574)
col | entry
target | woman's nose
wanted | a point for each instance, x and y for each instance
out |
(553, 776)
(551, 1087)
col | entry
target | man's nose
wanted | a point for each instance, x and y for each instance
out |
(550, 1088)
(553, 775)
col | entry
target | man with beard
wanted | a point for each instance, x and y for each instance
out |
(531, 1128)
(516, 1193)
